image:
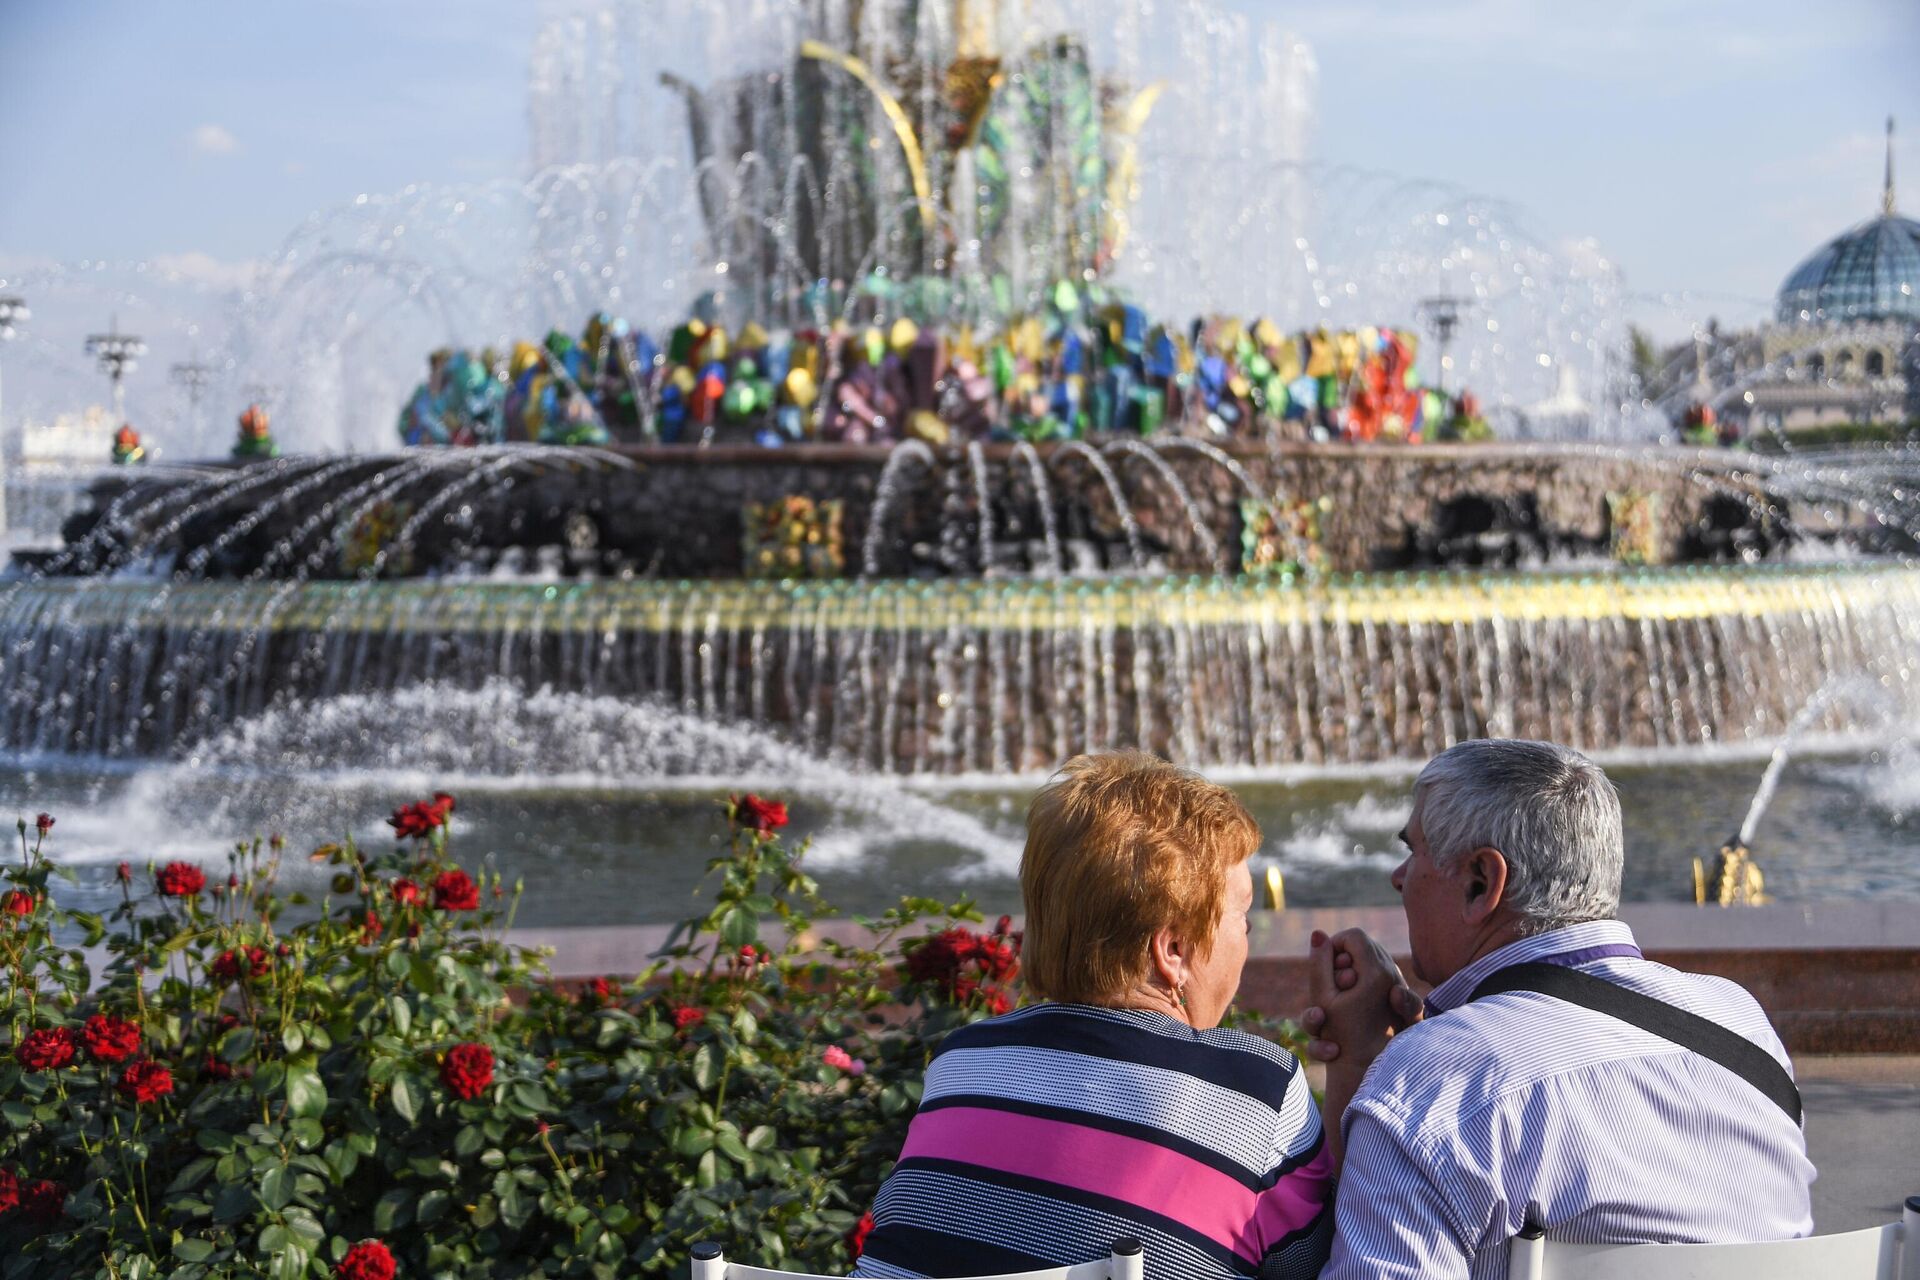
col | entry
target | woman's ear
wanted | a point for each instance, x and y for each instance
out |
(1167, 957)
(1483, 876)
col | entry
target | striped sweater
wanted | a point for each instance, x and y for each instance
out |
(1045, 1135)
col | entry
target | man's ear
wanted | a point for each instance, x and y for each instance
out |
(1483, 882)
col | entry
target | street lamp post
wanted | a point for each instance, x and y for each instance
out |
(119, 355)
(194, 376)
(1443, 312)
(13, 311)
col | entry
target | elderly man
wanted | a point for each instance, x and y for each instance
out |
(1558, 1079)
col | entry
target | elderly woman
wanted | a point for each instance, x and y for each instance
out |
(1119, 1107)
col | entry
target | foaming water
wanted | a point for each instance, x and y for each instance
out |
(312, 766)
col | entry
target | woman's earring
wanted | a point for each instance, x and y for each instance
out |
(1180, 994)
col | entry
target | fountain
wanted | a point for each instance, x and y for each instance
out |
(1126, 532)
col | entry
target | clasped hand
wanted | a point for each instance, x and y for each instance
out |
(1359, 999)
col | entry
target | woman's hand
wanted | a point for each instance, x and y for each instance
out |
(1359, 999)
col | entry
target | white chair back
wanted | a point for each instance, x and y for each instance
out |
(1891, 1252)
(1125, 1262)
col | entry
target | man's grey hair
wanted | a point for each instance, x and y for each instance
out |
(1549, 810)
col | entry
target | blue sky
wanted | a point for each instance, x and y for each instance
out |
(1706, 146)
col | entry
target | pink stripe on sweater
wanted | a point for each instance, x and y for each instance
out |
(1132, 1170)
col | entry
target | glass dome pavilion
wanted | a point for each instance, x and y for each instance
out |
(1869, 272)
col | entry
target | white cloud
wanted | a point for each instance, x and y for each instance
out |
(214, 140)
(195, 267)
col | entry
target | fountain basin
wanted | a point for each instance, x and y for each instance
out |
(998, 676)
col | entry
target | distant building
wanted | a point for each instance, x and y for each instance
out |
(72, 439)
(1844, 345)
(46, 468)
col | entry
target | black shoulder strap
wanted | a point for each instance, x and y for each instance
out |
(1690, 1031)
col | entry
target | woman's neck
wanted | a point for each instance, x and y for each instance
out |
(1153, 999)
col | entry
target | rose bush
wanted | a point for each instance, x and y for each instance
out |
(376, 1084)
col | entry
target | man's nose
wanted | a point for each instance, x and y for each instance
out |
(1400, 878)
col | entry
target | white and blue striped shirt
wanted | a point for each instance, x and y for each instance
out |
(1520, 1106)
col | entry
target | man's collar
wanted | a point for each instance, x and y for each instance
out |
(1574, 938)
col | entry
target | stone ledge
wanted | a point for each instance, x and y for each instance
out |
(1835, 977)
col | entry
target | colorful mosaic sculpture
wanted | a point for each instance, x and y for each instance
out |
(1282, 538)
(369, 542)
(1090, 364)
(794, 537)
(256, 435)
(127, 449)
(1634, 519)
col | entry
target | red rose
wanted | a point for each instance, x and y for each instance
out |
(45, 1049)
(9, 1191)
(687, 1016)
(145, 1082)
(596, 992)
(467, 1070)
(110, 1039)
(180, 880)
(214, 1069)
(125, 873)
(410, 821)
(998, 1001)
(764, 816)
(368, 1260)
(43, 823)
(413, 821)
(405, 892)
(939, 957)
(455, 891)
(371, 928)
(244, 962)
(43, 1202)
(999, 959)
(17, 902)
(857, 1238)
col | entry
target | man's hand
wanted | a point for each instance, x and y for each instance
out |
(1359, 999)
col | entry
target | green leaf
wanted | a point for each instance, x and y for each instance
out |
(739, 927)
(393, 1209)
(236, 1044)
(234, 1202)
(192, 1249)
(304, 1225)
(516, 1210)
(432, 1206)
(468, 1141)
(276, 1187)
(189, 1177)
(274, 1238)
(402, 1014)
(762, 1138)
(291, 1264)
(706, 1066)
(406, 1097)
(306, 1094)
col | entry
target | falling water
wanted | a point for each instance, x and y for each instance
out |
(885, 492)
(1043, 494)
(970, 676)
(1852, 689)
(1202, 531)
